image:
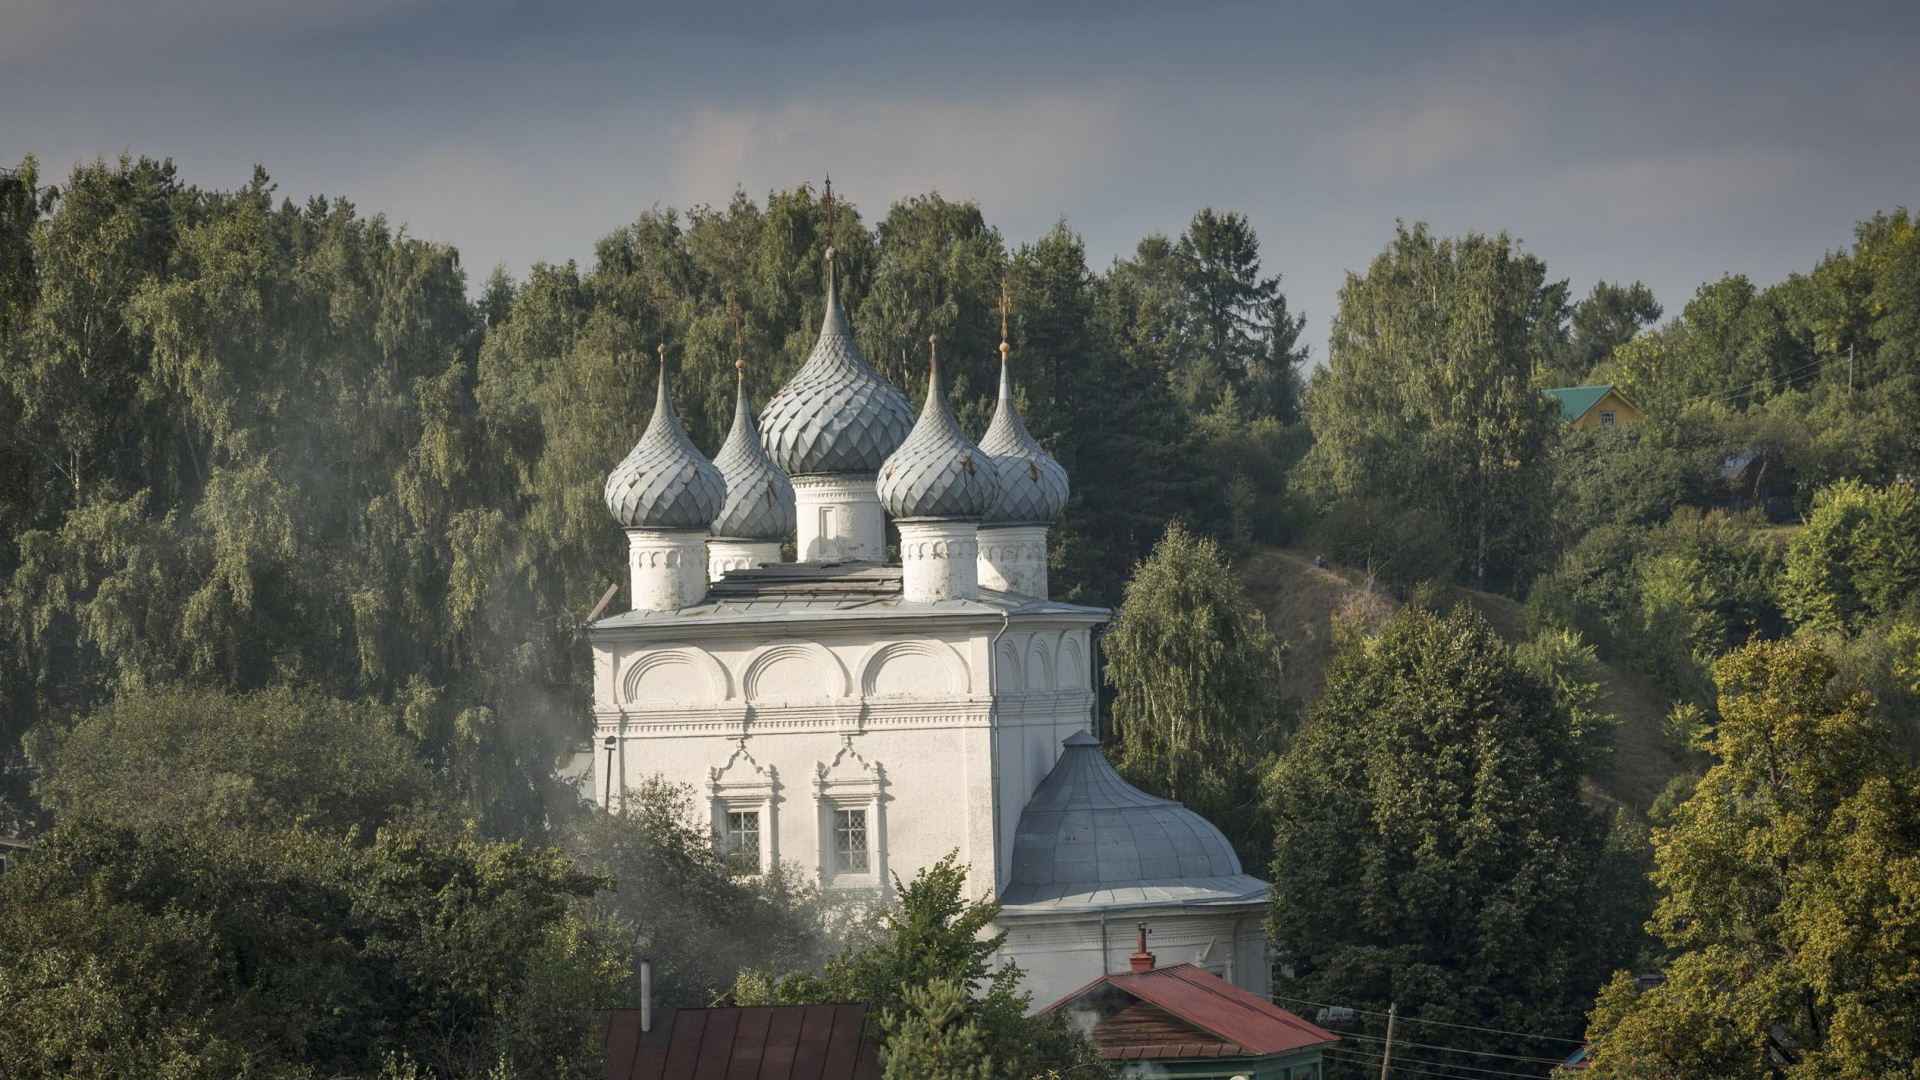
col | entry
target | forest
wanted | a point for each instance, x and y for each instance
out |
(1594, 741)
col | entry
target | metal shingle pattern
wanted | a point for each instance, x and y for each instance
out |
(836, 415)
(664, 482)
(937, 472)
(1033, 486)
(759, 503)
(1087, 831)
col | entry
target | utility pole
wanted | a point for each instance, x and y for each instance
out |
(1386, 1052)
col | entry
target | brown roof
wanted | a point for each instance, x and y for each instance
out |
(769, 1042)
(1183, 1011)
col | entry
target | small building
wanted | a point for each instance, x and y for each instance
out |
(768, 1042)
(1587, 407)
(1181, 1022)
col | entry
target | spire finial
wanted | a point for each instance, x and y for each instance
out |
(662, 350)
(739, 357)
(933, 352)
(826, 200)
(1003, 322)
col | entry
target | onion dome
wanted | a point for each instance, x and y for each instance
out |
(937, 472)
(837, 414)
(1033, 486)
(759, 503)
(1087, 833)
(665, 482)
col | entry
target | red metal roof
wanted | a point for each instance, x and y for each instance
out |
(770, 1042)
(1243, 1023)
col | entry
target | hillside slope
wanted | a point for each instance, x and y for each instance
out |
(1303, 602)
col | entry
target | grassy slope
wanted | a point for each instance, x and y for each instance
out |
(1302, 603)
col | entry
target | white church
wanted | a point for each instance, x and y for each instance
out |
(862, 719)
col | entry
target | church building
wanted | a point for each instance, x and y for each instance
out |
(862, 719)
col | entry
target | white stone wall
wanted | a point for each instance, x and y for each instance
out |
(1062, 953)
(920, 721)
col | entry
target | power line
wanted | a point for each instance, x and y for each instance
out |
(1452, 1049)
(1438, 1023)
(1762, 383)
(1398, 1066)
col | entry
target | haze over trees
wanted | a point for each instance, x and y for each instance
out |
(301, 521)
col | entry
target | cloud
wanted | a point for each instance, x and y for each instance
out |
(1664, 189)
(1446, 126)
(1019, 157)
(40, 31)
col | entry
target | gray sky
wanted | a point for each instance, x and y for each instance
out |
(1668, 142)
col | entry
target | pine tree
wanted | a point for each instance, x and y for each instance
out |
(931, 1038)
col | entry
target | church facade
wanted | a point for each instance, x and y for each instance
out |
(861, 719)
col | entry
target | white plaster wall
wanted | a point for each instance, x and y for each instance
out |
(1062, 953)
(912, 708)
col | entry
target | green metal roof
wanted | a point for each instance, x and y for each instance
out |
(1576, 400)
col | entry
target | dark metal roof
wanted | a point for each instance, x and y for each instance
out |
(937, 472)
(1033, 486)
(1239, 1022)
(759, 503)
(767, 1042)
(665, 482)
(1086, 831)
(837, 414)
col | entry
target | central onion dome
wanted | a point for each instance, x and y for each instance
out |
(1033, 486)
(664, 482)
(836, 415)
(937, 472)
(759, 503)
(1088, 832)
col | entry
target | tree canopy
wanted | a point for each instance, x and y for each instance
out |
(1789, 885)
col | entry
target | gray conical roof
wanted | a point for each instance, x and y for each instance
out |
(665, 482)
(1086, 832)
(937, 472)
(759, 504)
(1033, 486)
(836, 415)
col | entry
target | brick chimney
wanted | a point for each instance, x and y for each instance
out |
(1141, 960)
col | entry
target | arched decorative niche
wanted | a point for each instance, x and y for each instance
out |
(1039, 665)
(788, 671)
(913, 668)
(675, 674)
(1008, 674)
(1072, 669)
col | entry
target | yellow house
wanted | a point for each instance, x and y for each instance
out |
(1587, 407)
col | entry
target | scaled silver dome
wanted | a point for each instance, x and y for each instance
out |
(665, 482)
(836, 415)
(1033, 486)
(1086, 831)
(937, 472)
(759, 503)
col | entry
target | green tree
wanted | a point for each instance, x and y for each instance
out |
(1790, 882)
(700, 918)
(934, 936)
(1243, 343)
(180, 758)
(1857, 558)
(1610, 316)
(1428, 396)
(930, 1038)
(1571, 670)
(1432, 846)
(1195, 674)
(288, 953)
